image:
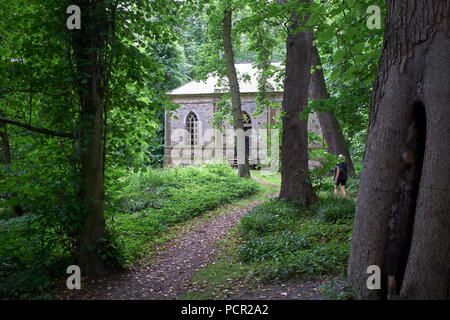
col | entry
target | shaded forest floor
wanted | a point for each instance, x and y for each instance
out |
(198, 263)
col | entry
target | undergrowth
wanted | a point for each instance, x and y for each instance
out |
(154, 200)
(282, 240)
(139, 208)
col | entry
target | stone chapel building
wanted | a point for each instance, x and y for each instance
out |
(189, 137)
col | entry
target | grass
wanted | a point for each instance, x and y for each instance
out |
(281, 241)
(274, 241)
(271, 178)
(154, 201)
(28, 261)
(6, 213)
(217, 279)
(155, 244)
(220, 279)
(324, 188)
(142, 210)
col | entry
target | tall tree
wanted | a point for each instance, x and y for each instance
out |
(92, 57)
(402, 219)
(6, 149)
(295, 183)
(85, 71)
(243, 167)
(6, 154)
(331, 129)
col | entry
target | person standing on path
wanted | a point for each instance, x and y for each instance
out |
(340, 175)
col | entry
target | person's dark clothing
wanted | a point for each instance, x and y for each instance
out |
(342, 179)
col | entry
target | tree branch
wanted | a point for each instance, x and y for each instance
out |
(38, 130)
(10, 90)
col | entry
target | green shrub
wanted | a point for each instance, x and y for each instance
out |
(273, 246)
(323, 259)
(282, 240)
(332, 209)
(139, 208)
(320, 175)
(18, 243)
(271, 216)
(5, 212)
(319, 232)
(352, 186)
(28, 257)
(149, 206)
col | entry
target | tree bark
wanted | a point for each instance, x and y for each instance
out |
(6, 154)
(331, 130)
(6, 149)
(295, 182)
(92, 181)
(91, 59)
(243, 167)
(402, 218)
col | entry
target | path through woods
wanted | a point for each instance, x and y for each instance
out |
(168, 273)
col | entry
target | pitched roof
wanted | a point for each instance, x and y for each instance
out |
(247, 77)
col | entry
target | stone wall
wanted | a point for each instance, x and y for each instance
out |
(213, 144)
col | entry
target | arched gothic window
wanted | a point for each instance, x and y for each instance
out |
(192, 128)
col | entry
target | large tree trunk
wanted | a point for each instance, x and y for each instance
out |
(89, 45)
(295, 183)
(243, 168)
(6, 154)
(402, 219)
(331, 130)
(92, 185)
(6, 150)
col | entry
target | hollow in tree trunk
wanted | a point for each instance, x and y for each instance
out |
(402, 218)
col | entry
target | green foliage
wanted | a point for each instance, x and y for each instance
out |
(349, 61)
(334, 209)
(6, 213)
(273, 246)
(151, 201)
(330, 291)
(282, 240)
(268, 217)
(143, 206)
(352, 186)
(29, 258)
(160, 45)
(39, 87)
(318, 175)
(273, 178)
